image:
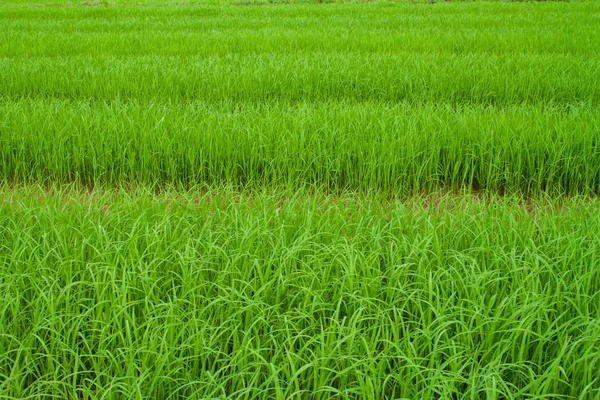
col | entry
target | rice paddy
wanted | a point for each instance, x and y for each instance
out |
(299, 200)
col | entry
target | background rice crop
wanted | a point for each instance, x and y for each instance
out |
(396, 97)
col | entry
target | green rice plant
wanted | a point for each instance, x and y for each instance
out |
(216, 292)
(366, 146)
(475, 53)
(468, 79)
(396, 97)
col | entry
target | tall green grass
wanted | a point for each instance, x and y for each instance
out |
(290, 295)
(365, 146)
(469, 79)
(396, 97)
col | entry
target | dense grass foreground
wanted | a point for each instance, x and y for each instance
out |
(267, 295)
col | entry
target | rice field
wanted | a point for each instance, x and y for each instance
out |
(299, 200)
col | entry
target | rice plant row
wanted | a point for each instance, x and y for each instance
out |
(398, 148)
(263, 295)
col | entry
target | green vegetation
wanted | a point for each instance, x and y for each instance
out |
(359, 200)
(267, 295)
(398, 97)
(392, 148)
